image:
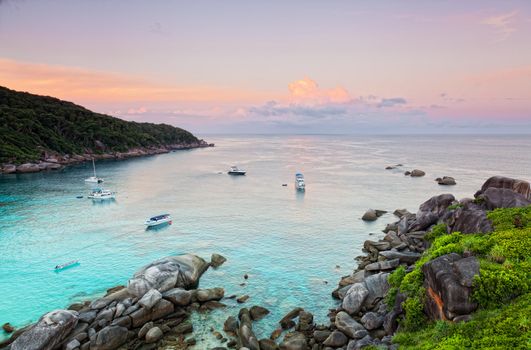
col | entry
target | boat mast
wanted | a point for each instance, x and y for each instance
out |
(94, 167)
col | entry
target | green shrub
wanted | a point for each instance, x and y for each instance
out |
(395, 279)
(436, 231)
(509, 218)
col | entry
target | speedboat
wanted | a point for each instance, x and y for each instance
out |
(101, 194)
(158, 220)
(234, 170)
(299, 182)
(66, 265)
(94, 179)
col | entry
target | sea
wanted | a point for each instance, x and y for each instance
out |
(293, 246)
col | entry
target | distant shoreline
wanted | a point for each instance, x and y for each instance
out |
(50, 162)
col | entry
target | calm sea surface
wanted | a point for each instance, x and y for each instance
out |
(294, 246)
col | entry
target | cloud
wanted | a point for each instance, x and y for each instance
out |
(307, 91)
(140, 110)
(503, 24)
(391, 102)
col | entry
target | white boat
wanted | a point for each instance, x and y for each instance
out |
(94, 179)
(101, 194)
(234, 170)
(299, 182)
(158, 220)
(65, 265)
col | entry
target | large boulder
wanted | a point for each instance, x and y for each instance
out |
(417, 173)
(446, 181)
(49, 332)
(519, 186)
(468, 219)
(28, 168)
(204, 295)
(149, 299)
(448, 280)
(354, 298)
(109, 338)
(294, 341)
(347, 324)
(377, 285)
(178, 296)
(164, 274)
(493, 198)
(431, 211)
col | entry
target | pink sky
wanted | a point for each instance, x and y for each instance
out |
(334, 66)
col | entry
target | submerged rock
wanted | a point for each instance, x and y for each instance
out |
(50, 331)
(372, 215)
(446, 181)
(417, 173)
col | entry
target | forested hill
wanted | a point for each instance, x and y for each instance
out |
(31, 124)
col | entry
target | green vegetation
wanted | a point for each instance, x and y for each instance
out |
(30, 124)
(502, 290)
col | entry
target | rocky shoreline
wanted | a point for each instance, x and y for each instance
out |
(153, 311)
(52, 161)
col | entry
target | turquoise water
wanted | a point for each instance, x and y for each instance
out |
(290, 244)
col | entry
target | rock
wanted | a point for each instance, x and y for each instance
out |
(149, 299)
(372, 320)
(336, 339)
(28, 168)
(143, 331)
(267, 344)
(109, 338)
(468, 219)
(446, 181)
(8, 328)
(347, 324)
(164, 274)
(178, 296)
(407, 173)
(321, 335)
(383, 265)
(417, 173)
(284, 322)
(50, 331)
(372, 246)
(518, 186)
(360, 344)
(230, 325)
(217, 260)
(502, 198)
(242, 299)
(401, 212)
(294, 341)
(204, 295)
(305, 321)
(431, 211)
(377, 285)
(404, 257)
(370, 215)
(354, 298)
(247, 337)
(258, 312)
(143, 315)
(9, 168)
(153, 335)
(73, 344)
(447, 282)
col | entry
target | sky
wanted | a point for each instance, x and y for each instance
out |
(273, 66)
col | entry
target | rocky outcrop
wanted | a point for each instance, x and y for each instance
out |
(49, 332)
(415, 173)
(493, 198)
(519, 186)
(181, 271)
(448, 282)
(372, 215)
(468, 219)
(431, 211)
(59, 161)
(446, 181)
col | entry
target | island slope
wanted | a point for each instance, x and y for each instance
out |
(35, 128)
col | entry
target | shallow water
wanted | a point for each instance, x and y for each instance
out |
(290, 244)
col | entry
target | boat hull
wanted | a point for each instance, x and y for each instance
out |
(236, 173)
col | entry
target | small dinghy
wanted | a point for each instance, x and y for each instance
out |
(158, 220)
(66, 265)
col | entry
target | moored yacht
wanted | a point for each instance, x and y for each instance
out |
(299, 182)
(94, 179)
(234, 170)
(101, 194)
(158, 220)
